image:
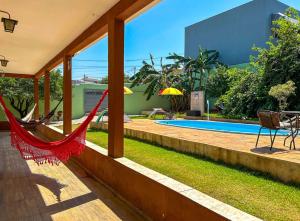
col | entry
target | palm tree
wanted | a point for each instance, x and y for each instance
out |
(185, 74)
(155, 78)
(196, 70)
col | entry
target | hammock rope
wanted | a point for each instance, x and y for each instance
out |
(33, 148)
(32, 124)
(28, 117)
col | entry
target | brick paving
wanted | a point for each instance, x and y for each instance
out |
(232, 141)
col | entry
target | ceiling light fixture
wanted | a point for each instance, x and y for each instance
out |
(9, 24)
(3, 61)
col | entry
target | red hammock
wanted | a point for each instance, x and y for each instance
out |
(33, 148)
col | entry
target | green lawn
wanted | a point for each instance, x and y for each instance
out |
(219, 115)
(182, 115)
(246, 190)
(157, 116)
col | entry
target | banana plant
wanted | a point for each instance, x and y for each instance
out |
(156, 77)
(196, 70)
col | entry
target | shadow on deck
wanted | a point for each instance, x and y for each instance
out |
(45, 192)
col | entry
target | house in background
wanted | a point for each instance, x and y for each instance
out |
(86, 80)
(233, 33)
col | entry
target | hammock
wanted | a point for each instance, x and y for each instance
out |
(33, 148)
(28, 117)
(32, 124)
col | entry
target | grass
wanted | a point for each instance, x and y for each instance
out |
(157, 116)
(219, 115)
(247, 190)
(139, 117)
(182, 115)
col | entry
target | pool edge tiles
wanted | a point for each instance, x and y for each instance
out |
(219, 126)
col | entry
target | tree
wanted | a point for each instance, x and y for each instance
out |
(282, 92)
(56, 85)
(159, 78)
(186, 74)
(19, 91)
(280, 61)
(218, 82)
(155, 78)
(194, 73)
(196, 70)
(243, 97)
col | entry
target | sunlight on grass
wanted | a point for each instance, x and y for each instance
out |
(242, 189)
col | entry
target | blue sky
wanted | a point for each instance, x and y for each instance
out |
(159, 31)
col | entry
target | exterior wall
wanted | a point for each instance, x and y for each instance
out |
(134, 104)
(234, 32)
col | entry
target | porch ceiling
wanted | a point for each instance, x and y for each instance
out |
(44, 29)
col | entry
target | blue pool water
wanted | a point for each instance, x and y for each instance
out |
(219, 126)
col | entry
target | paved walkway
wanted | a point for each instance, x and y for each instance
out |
(45, 192)
(225, 140)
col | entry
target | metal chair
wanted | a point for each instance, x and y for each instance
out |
(269, 120)
(293, 125)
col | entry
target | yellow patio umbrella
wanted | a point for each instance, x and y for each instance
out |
(127, 91)
(170, 91)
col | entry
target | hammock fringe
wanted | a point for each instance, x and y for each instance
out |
(42, 152)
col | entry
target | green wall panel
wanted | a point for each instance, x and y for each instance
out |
(134, 104)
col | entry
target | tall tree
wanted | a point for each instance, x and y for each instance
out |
(194, 73)
(155, 78)
(184, 73)
(280, 61)
(196, 70)
(19, 91)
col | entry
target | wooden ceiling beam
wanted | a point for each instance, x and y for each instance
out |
(15, 75)
(123, 10)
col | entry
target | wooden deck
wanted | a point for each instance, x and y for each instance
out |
(64, 192)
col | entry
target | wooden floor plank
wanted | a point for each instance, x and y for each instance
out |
(45, 192)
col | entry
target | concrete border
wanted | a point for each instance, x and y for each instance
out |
(286, 171)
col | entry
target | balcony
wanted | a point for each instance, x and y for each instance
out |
(99, 184)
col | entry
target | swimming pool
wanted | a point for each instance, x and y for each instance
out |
(226, 127)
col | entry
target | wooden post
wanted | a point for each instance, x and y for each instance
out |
(47, 93)
(36, 98)
(67, 90)
(115, 88)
